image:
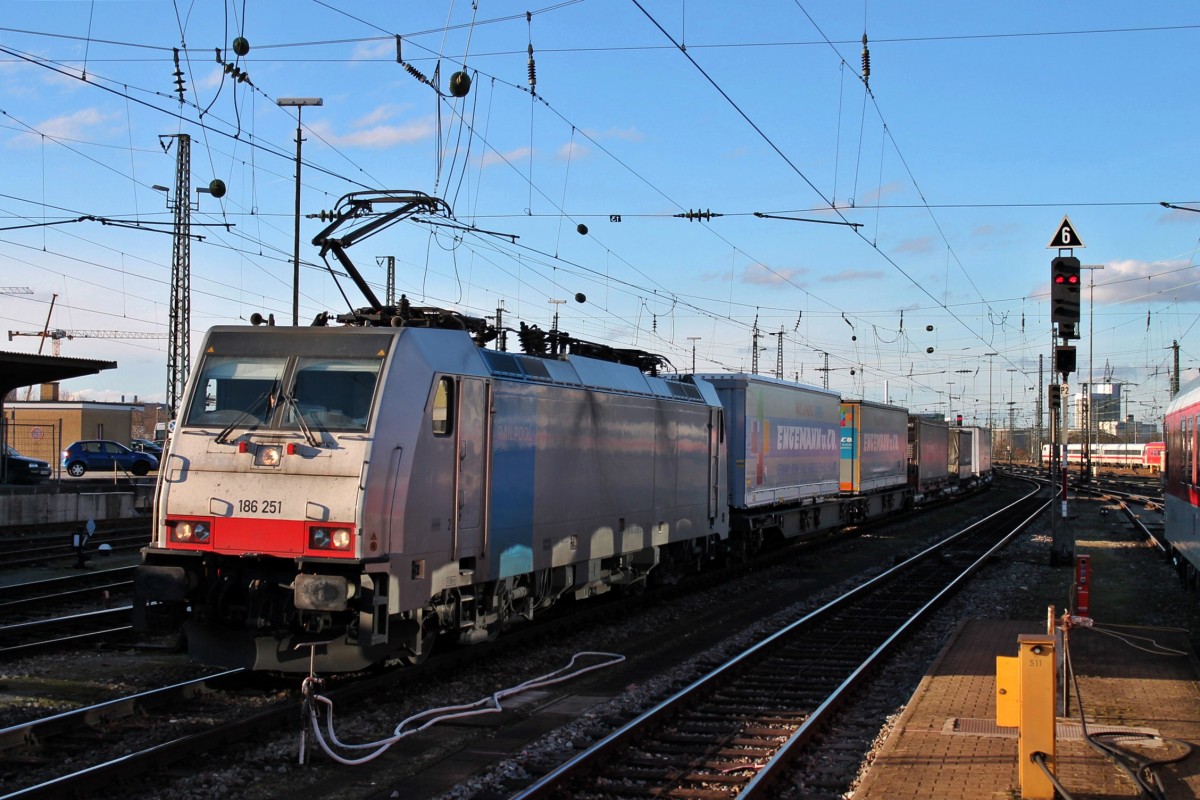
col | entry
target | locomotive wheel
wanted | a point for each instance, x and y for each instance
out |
(503, 609)
(428, 635)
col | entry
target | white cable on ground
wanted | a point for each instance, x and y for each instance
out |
(486, 705)
(1129, 638)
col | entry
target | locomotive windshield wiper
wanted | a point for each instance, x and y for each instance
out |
(260, 403)
(309, 436)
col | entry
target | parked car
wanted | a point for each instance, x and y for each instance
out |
(22, 469)
(147, 446)
(103, 455)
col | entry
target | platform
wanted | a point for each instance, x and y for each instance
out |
(947, 744)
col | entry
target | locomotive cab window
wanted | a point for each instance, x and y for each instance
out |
(231, 387)
(333, 394)
(441, 415)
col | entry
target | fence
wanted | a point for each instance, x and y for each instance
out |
(39, 441)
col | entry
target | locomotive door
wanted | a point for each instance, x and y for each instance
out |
(716, 444)
(470, 480)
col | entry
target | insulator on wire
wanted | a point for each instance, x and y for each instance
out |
(416, 73)
(179, 87)
(532, 71)
(866, 61)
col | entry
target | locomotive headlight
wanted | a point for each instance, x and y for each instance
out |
(341, 539)
(182, 532)
(268, 455)
(190, 532)
(330, 538)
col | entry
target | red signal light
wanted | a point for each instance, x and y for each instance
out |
(1064, 290)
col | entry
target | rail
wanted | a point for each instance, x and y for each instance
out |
(741, 725)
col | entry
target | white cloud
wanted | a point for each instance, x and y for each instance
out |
(921, 244)
(210, 81)
(491, 157)
(1132, 280)
(853, 275)
(761, 275)
(572, 151)
(77, 126)
(373, 51)
(377, 136)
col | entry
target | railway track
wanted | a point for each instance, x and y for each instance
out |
(20, 550)
(81, 587)
(21, 638)
(35, 732)
(90, 606)
(739, 728)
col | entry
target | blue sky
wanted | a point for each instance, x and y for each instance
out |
(929, 200)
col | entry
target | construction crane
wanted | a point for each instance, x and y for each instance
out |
(58, 334)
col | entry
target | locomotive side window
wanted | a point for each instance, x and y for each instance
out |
(231, 387)
(333, 393)
(443, 400)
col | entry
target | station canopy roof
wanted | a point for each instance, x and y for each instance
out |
(28, 369)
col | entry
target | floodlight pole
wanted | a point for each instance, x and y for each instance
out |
(298, 103)
(1091, 360)
(693, 340)
(991, 364)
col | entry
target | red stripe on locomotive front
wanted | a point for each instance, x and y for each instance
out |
(255, 535)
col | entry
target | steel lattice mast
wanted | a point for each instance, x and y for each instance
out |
(179, 340)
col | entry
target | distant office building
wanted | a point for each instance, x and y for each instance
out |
(1105, 399)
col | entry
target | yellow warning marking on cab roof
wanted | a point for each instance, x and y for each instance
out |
(211, 349)
(382, 352)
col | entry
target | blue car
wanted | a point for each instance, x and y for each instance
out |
(103, 456)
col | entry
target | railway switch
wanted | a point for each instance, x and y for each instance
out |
(1026, 699)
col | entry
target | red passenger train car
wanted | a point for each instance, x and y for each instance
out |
(1181, 485)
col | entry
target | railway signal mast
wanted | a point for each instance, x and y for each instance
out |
(1064, 321)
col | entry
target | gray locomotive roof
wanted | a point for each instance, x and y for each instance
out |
(740, 379)
(592, 374)
(454, 350)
